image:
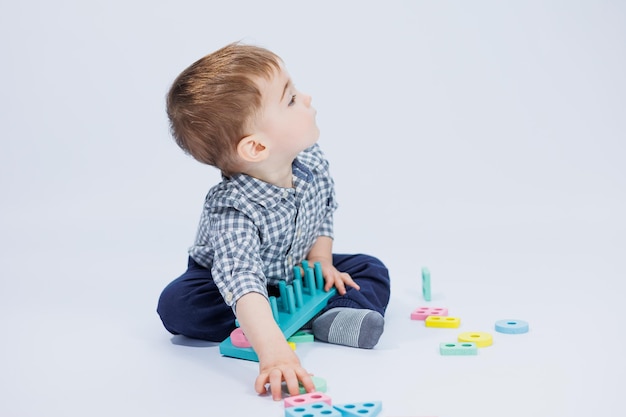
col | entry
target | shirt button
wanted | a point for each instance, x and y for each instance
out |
(228, 297)
(299, 232)
(285, 193)
(289, 260)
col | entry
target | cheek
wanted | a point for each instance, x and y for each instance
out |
(307, 119)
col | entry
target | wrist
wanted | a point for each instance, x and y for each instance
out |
(278, 350)
(319, 258)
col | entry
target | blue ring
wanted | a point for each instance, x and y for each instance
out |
(512, 326)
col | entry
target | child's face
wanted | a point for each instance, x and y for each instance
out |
(287, 120)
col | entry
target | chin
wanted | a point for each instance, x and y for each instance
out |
(316, 136)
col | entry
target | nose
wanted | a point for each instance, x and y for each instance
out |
(307, 100)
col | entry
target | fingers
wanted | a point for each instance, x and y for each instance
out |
(293, 386)
(339, 281)
(276, 379)
(349, 281)
(292, 381)
(334, 281)
(307, 382)
(259, 384)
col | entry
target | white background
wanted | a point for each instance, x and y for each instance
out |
(482, 139)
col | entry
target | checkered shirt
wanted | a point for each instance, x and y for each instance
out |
(252, 233)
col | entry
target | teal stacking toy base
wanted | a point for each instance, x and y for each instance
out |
(297, 304)
(228, 349)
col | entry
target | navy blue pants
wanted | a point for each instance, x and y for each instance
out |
(192, 306)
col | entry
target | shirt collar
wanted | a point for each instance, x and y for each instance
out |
(301, 171)
(269, 195)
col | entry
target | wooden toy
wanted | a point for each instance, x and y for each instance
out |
(426, 284)
(481, 339)
(511, 326)
(458, 349)
(307, 398)
(297, 304)
(447, 322)
(421, 313)
(369, 409)
(318, 409)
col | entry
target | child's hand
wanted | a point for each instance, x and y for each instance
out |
(334, 278)
(282, 365)
(277, 361)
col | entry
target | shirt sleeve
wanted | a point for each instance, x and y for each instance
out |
(236, 263)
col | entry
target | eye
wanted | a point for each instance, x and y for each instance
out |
(293, 100)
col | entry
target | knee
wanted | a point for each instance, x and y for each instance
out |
(167, 307)
(195, 311)
(375, 267)
(374, 262)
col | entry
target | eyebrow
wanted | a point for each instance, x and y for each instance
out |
(285, 89)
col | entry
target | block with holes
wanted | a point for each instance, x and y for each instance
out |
(308, 398)
(421, 313)
(458, 349)
(447, 322)
(319, 409)
(368, 409)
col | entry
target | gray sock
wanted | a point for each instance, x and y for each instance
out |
(350, 327)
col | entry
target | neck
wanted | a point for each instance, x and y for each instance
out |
(282, 177)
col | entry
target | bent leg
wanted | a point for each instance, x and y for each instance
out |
(373, 278)
(192, 306)
(356, 318)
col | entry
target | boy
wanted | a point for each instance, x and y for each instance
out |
(238, 110)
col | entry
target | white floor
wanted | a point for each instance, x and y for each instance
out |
(484, 140)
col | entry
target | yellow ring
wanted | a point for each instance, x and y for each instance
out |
(481, 339)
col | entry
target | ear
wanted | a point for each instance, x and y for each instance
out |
(252, 149)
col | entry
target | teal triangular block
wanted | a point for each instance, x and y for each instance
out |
(367, 409)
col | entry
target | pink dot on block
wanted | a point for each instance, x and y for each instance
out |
(309, 398)
(239, 339)
(421, 313)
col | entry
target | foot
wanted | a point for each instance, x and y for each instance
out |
(359, 328)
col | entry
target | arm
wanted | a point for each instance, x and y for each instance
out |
(277, 361)
(322, 252)
(237, 270)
